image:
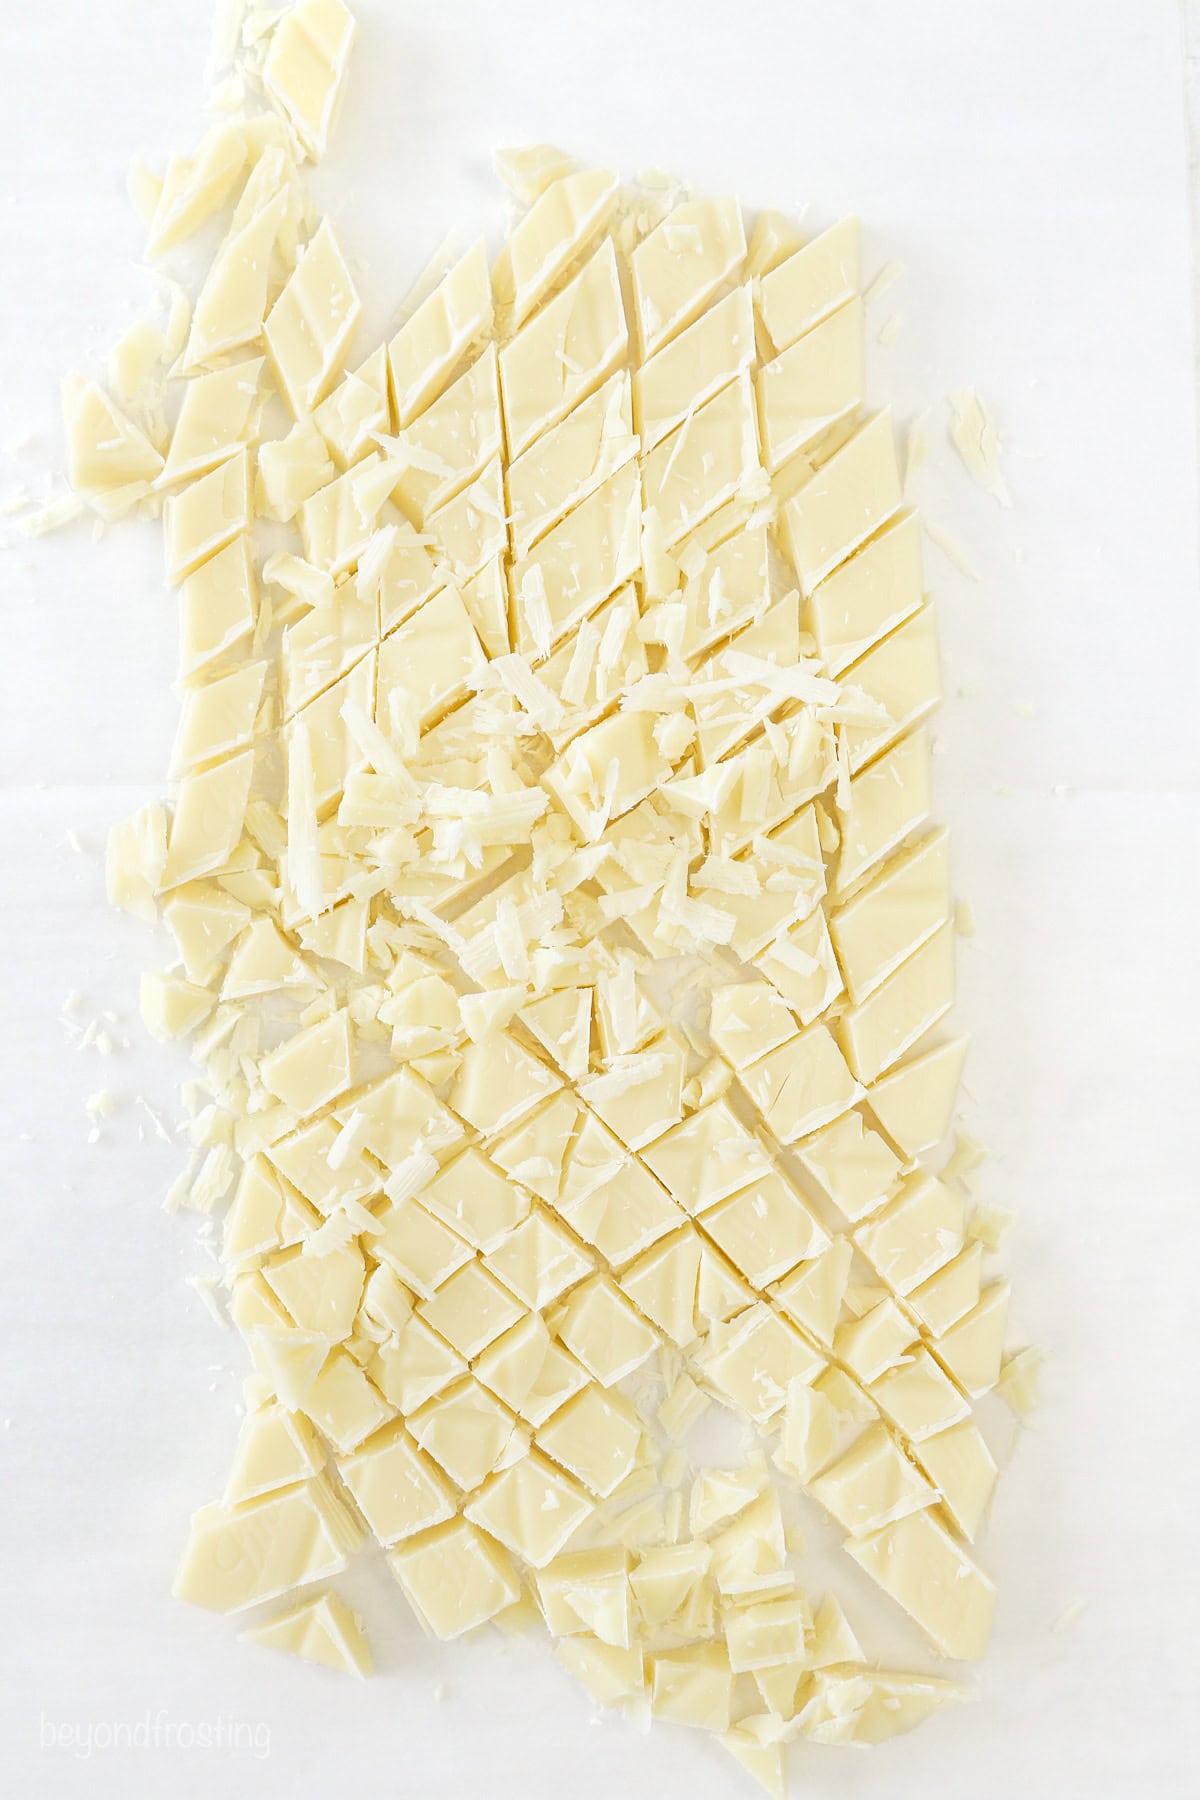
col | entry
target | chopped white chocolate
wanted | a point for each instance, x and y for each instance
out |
(320, 1630)
(558, 926)
(924, 1570)
(562, 222)
(848, 499)
(681, 264)
(455, 1578)
(304, 71)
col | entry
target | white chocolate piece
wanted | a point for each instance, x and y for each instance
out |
(876, 1033)
(569, 461)
(527, 170)
(915, 1102)
(304, 72)
(596, 1436)
(239, 1556)
(766, 1229)
(455, 1578)
(106, 452)
(884, 922)
(428, 346)
(887, 801)
(531, 1508)
(918, 1397)
(581, 560)
(431, 658)
(309, 1069)
(321, 1630)
(973, 1349)
(682, 263)
(872, 1485)
(812, 1295)
(448, 444)
(206, 517)
(197, 186)
(813, 385)
(598, 1325)
(560, 225)
(564, 352)
(903, 676)
(218, 416)
(707, 1157)
(964, 1471)
(207, 821)
(538, 1260)
(309, 327)
(704, 462)
(849, 498)
(465, 1431)
(703, 359)
(812, 283)
(803, 1085)
(232, 303)
(922, 1568)
(871, 593)
(276, 1449)
(757, 1359)
(693, 1687)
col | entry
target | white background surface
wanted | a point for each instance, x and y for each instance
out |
(1027, 164)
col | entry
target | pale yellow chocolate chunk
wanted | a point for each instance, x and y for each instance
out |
(887, 801)
(703, 462)
(531, 1508)
(902, 677)
(922, 1568)
(813, 282)
(596, 1436)
(321, 1630)
(915, 1102)
(206, 517)
(878, 1031)
(963, 1470)
(973, 1349)
(232, 303)
(681, 264)
(811, 386)
(918, 1397)
(560, 225)
(708, 1156)
(276, 1449)
(871, 593)
(424, 352)
(579, 562)
(803, 1085)
(564, 352)
(431, 658)
(106, 451)
(884, 922)
(570, 461)
(448, 444)
(693, 367)
(873, 1484)
(304, 72)
(766, 1229)
(207, 822)
(241, 1555)
(465, 1431)
(849, 498)
(598, 1325)
(455, 1578)
(197, 186)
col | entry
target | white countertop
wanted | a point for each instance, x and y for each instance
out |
(1027, 164)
